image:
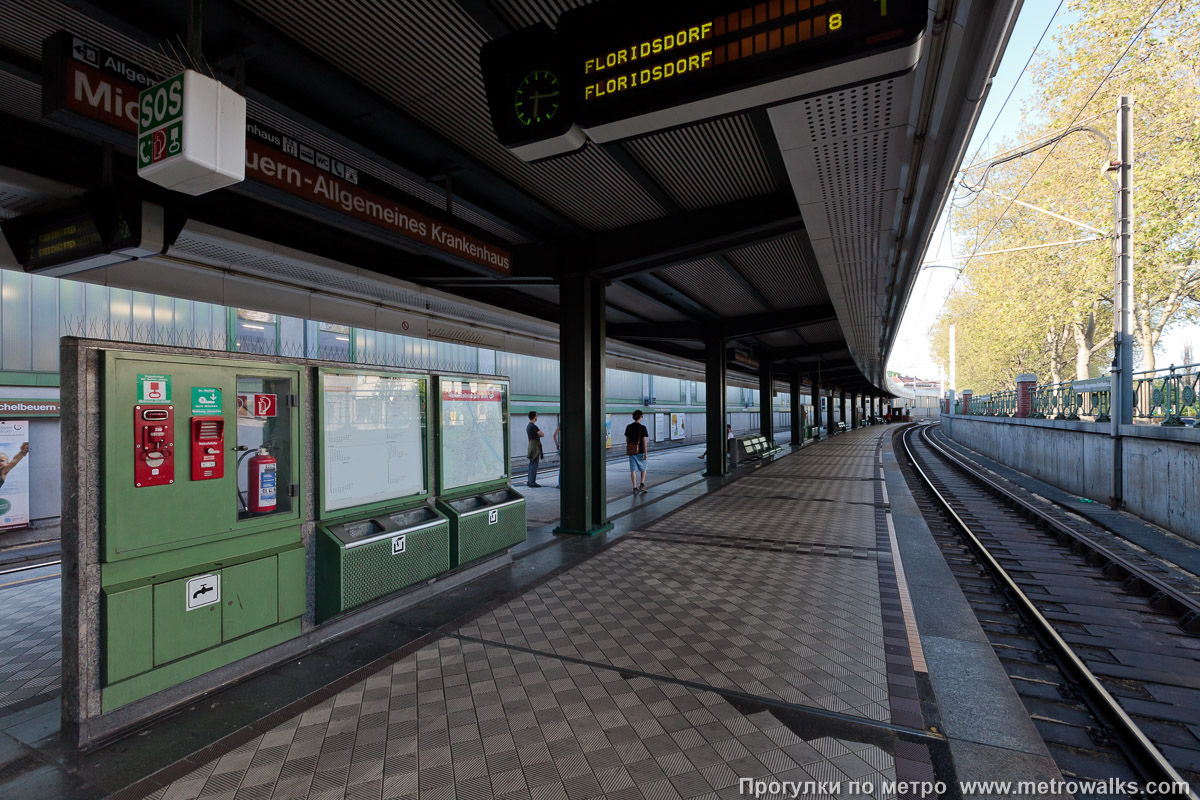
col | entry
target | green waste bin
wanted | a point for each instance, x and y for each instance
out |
(484, 523)
(366, 559)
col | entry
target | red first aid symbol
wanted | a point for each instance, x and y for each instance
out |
(158, 147)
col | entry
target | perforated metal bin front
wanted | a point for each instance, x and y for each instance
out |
(413, 546)
(484, 523)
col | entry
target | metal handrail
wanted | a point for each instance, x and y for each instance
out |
(1168, 396)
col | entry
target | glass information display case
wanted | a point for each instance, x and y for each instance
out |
(486, 514)
(378, 534)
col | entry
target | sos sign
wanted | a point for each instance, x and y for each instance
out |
(160, 121)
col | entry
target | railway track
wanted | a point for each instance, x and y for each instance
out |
(1102, 646)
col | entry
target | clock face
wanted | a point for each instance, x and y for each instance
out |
(537, 98)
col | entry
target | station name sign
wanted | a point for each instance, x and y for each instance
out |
(22, 408)
(87, 83)
(628, 67)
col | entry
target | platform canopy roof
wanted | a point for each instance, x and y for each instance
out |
(793, 232)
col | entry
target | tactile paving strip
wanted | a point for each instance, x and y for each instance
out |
(31, 654)
(466, 720)
(801, 629)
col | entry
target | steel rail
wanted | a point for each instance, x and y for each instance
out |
(1152, 763)
(1187, 609)
(27, 567)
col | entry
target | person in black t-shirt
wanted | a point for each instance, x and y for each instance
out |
(636, 438)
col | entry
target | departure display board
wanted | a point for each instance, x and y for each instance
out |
(374, 435)
(77, 230)
(632, 57)
(625, 67)
(474, 432)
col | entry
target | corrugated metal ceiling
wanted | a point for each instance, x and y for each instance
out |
(411, 53)
(635, 302)
(707, 164)
(781, 273)
(29, 22)
(710, 283)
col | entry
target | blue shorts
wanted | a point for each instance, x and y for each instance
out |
(637, 463)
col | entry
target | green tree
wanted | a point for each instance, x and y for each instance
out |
(1069, 288)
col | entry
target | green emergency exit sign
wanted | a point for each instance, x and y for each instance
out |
(160, 121)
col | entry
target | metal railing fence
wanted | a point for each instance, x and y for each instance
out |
(1169, 396)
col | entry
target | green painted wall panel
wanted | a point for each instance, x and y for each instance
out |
(128, 646)
(142, 521)
(156, 680)
(177, 631)
(293, 594)
(250, 593)
(162, 567)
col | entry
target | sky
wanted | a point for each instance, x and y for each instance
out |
(911, 353)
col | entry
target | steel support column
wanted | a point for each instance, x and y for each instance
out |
(766, 399)
(830, 425)
(796, 416)
(842, 406)
(581, 389)
(854, 420)
(816, 406)
(714, 415)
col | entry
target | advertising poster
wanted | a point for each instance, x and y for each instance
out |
(608, 430)
(677, 427)
(14, 473)
(374, 439)
(472, 433)
(660, 427)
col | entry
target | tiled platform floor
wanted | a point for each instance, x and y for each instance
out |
(803, 630)
(31, 655)
(464, 719)
(661, 667)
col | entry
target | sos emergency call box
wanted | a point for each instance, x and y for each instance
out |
(153, 445)
(208, 448)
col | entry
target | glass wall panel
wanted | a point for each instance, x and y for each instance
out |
(333, 341)
(71, 307)
(96, 311)
(256, 332)
(142, 308)
(120, 321)
(15, 350)
(44, 333)
(291, 337)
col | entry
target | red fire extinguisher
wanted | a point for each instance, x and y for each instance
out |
(261, 482)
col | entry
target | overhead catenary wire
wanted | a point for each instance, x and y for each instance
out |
(1017, 82)
(1054, 145)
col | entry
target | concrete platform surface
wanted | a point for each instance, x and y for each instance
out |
(747, 636)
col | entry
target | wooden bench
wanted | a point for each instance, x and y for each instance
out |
(841, 426)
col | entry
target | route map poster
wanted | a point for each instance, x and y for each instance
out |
(473, 431)
(14, 474)
(374, 430)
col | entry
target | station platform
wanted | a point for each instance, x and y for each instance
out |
(789, 630)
